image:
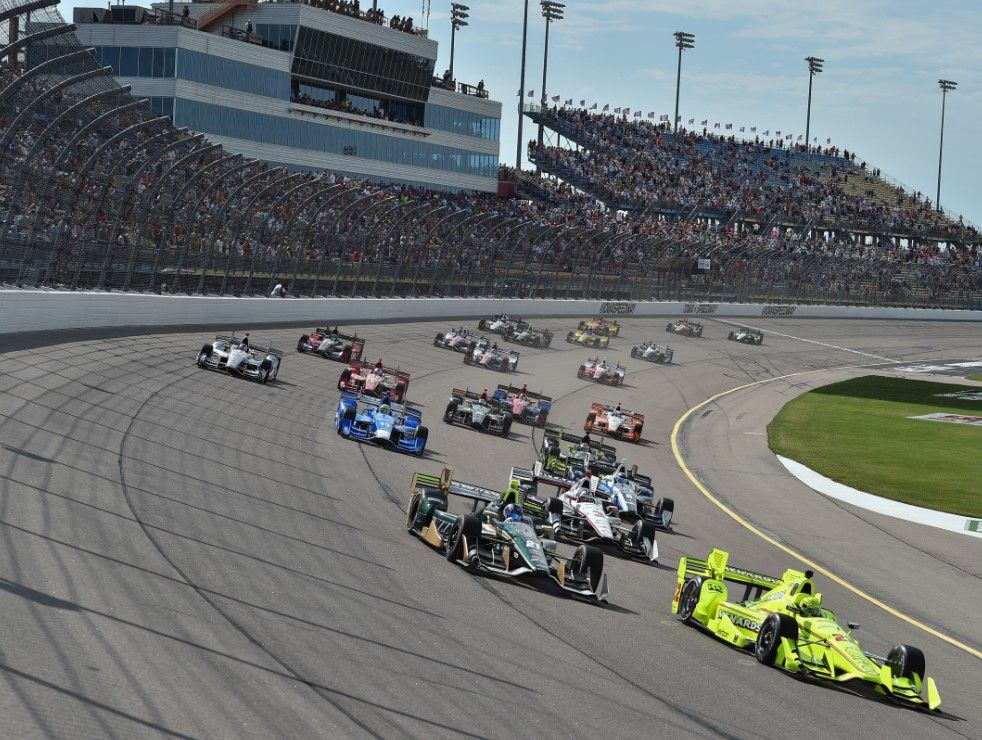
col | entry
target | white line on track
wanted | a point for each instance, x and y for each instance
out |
(812, 341)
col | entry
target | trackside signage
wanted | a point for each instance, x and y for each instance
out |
(702, 308)
(975, 421)
(617, 308)
(778, 311)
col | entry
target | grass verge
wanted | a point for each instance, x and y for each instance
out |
(974, 377)
(858, 433)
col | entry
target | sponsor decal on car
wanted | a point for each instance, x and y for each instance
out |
(617, 308)
(700, 308)
(740, 621)
(951, 419)
(778, 311)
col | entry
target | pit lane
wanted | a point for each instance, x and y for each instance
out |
(186, 553)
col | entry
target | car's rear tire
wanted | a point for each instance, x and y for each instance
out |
(400, 392)
(437, 340)
(451, 411)
(466, 527)
(265, 368)
(422, 433)
(588, 559)
(668, 327)
(343, 380)
(645, 530)
(540, 420)
(348, 415)
(689, 598)
(905, 661)
(634, 351)
(204, 354)
(636, 436)
(591, 418)
(304, 338)
(412, 512)
(506, 427)
(768, 641)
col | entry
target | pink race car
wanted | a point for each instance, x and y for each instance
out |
(375, 380)
(526, 406)
(602, 371)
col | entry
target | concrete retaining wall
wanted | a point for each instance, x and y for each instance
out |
(37, 310)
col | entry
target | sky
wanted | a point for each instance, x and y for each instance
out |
(878, 95)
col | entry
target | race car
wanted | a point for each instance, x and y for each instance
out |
(478, 412)
(528, 336)
(607, 327)
(601, 371)
(238, 356)
(746, 335)
(373, 420)
(501, 324)
(588, 338)
(485, 354)
(497, 538)
(581, 516)
(332, 344)
(455, 339)
(782, 619)
(631, 495)
(685, 327)
(567, 456)
(527, 407)
(653, 353)
(375, 380)
(614, 422)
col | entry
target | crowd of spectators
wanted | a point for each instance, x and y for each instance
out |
(133, 203)
(372, 15)
(345, 105)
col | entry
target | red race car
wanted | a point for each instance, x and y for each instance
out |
(614, 422)
(332, 344)
(375, 380)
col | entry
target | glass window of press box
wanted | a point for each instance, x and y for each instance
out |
(357, 64)
(342, 100)
(136, 61)
(277, 35)
(462, 122)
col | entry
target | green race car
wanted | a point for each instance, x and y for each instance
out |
(497, 538)
(783, 621)
(568, 456)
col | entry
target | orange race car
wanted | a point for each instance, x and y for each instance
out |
(614, 422)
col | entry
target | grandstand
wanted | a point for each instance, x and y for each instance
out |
(101, 190)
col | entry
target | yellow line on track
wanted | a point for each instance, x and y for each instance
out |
(676, 451)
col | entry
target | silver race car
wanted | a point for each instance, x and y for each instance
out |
(482, 412)
(746, 335)
(652, 352)
(238, 356)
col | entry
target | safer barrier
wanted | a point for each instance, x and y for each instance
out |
(29, 310)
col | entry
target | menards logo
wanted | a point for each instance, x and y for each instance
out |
(741, 621)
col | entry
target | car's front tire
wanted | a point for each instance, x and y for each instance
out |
(775, 627)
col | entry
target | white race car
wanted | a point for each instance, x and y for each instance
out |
(585, 517)
(239, 357)
(653, 353)
(455, 339)
(746, 335)
(501, 324)
(491, 356)
(602, 371)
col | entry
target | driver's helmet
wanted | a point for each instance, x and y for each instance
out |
(810, 606)
(512, 512)
(385, 409)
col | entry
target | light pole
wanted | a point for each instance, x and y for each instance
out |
(521, 89)
(551, 11)
(946, 87)
(814, 67)
(683, 40)
(458, 13)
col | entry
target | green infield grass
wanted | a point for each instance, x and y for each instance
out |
(974, 377)
(858, 433)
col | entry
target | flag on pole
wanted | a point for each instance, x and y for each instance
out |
(617, 110)
(691, 121)
(555, 98)
(789, 136)
(627, 111)
(593, 107)
(716, 125)
(828, 141)
(705, 122)
(742, 129)
(583, 104)
(753, 129)
(651, 114)
(799, 137)
(663, 117)
(776, 133)
(531, 93)
(606, 107)
(637, 114)
(768, 132)
(569, 101)
(729, 126)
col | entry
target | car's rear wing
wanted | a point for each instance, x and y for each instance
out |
(397, 408)
(716, 566)
(597, 447)
(510, 390)
(471, 395)
(538, 474)
(446, 484)
(264, 347)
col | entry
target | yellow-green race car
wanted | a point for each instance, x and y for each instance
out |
(588, 338)
(785, 624)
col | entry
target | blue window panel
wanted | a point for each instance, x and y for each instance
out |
(146, 62)
(129, 64)
(228, 73)
(462, 122)
(234, 123)
(169, 56)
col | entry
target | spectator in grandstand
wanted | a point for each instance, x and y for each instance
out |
(278, 291)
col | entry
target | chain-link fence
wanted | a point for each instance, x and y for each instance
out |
(98, 192)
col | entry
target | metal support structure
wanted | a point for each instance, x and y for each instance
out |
(683, 40)
(458, 16)
(946, 87)
(551, 11)
(521, 89)
(814, 67)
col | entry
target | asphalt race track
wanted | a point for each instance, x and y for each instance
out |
(188, 554)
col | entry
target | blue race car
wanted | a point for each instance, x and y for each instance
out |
(375, 420)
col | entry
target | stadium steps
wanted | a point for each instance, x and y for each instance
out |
(220, 10)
